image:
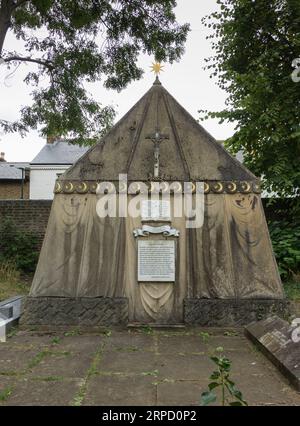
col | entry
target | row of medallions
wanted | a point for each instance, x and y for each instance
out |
(217, 187)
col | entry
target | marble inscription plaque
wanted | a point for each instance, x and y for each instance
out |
(156, 261)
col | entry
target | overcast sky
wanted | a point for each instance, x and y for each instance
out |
(185, 80)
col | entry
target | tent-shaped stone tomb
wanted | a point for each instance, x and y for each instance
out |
(153, 268)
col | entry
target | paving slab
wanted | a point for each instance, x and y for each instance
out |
(170, 344)
(81, 344)
(114, 390)
(184, 367)
(130, 340)
(36, 392)
(181, 392)
(140, 367)
(14, 361)
(127, 362)
(68, 365)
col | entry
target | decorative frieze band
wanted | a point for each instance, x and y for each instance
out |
(214, 187)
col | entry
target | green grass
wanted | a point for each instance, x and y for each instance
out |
(292, 290)
(11, 281)
(5, 394)
(11, 288)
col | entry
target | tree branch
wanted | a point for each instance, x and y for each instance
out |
(46, 64)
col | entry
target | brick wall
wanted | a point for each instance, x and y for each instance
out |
(29, 215)
(33, 214)
(11, 190)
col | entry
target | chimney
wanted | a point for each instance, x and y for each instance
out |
(51, 139)
(2, 155)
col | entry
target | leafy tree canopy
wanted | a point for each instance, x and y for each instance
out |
(255, 43)
(76, 41)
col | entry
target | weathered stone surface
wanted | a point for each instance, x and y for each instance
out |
(75, 311)
(92, 375)
(230, 312)
(275, 338)
(35, 392)
(114, 390)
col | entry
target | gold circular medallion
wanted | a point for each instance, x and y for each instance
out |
(57, 188)
(206, 188)
(82, 188)
(68, 187)
(231, 187)
(245, 187)
(217, 187)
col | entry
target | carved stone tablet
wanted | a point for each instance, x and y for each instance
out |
(280, 342)
(155, 210)
(156, 261)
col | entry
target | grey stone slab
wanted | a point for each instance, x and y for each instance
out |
(83, 344)
(127, 362)
(26, 338)
(181, 393)
(34, 392)
(15, 361)
(169, 344)
(115, 390)
(265, 388)
(62, 365)
(183, 367)
(129, 340)
(274, 337)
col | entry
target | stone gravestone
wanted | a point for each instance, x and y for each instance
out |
(280, 342)
(226, 272)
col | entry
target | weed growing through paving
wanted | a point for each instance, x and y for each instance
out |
(75, 332)
(146, 329)
(205, 336)
(220, 378)
(5, 394)
(231, 333)
(128, 349)
(56, 340)
(41, 355)
(150, 373)
(77, 401)
(13, 331)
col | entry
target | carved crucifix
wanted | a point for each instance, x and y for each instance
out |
(157, 138)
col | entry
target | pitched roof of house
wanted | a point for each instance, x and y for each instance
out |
(187, 151)
(11, 171)
(59, 152)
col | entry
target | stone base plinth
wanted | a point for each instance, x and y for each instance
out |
(232, 312)
(81, 311)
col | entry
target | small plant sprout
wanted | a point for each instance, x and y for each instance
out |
(220, 378)
(205, 336)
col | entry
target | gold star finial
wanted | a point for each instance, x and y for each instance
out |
(157, 68)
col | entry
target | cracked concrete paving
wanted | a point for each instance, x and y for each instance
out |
(132, 367)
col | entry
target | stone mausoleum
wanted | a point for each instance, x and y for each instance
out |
(152, 268)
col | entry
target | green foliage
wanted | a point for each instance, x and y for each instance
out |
(9, 272)
(5, 394)
(72, 42)
(285, 238)
(205, 336)
(292, 288)
(18, 247)
(255, 43)
(220, 378)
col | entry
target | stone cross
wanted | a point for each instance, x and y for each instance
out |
(157, 138)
